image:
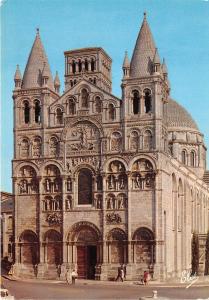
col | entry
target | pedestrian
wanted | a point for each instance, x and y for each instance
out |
(36, 270)
(146, 277)
(67, 276)
(73, 276)
(11, 271)
(120, 274)
(124, 269)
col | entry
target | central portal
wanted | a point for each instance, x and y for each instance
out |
(86, 261)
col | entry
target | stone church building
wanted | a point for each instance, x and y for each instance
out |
(100, 181)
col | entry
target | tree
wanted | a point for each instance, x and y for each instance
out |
(195, 254)
(207, 255)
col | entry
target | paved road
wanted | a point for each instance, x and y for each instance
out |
(36, 290)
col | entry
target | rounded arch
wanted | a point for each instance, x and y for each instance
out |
(25, 164)
(84, 86)
(75, 228)
(29, 236)
(143, 234)
(147, 90)
(116, 234)
(90, 120)
(107, 163)
(52, 235)
(29, 247)
(151, 162)
(51, 168)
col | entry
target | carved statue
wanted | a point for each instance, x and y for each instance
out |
(54, 219)
(23, 187)
(69, 185)
(47, 182)
(137, 181)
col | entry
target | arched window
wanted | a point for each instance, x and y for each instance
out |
(98, 104)
(147, 101)
(59, 116)
(86, 65)
(192, 159)
(72, 109)
(147, 140)
(116, 141)
(79, 66)
(92, 65)
(134, 140)
(85, 187)
(136, 102)
(84, 98)
(95, 80)
(73, 66)
(111, 109)
(26, 112)
(37, 112)
(184, 157)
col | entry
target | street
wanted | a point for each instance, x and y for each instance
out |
(99, 290)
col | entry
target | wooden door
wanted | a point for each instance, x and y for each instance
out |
(81, 262)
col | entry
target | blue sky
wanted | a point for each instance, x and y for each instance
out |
(180, 29)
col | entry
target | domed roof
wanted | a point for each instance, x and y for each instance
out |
(177, 116)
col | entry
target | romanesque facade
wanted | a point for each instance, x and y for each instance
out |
(101, 181)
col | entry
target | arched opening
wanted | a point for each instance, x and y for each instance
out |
(24, 148)
(54, 146)
(36, 147)
(116, 141)
(147, 101)
(144, 246)
(37, 112)
(98, 104)
(192, 159)
(86, 65)
(72, 109)
(184, 157)
(136, 102)
(92, 65)
(29, 248)
(79, 66)
(84, 98)
(73, 67)
(88, 249)
(26, 112)
(117, 246)
(147, 140)
(59, 116)
(134, 140)
(85, 187)
(53, 241)
(111, 109)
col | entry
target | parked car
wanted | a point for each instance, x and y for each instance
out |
(5, 295)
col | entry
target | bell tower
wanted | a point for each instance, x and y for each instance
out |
(145, 90)
(92, 64)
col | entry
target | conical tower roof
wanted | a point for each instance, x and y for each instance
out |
(56, 80)
(37, 60)
(17, 75)
(126, 62)
(144, 52)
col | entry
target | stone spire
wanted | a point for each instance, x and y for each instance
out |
(164, 68)
(144, 52)
(57, 83)
(126, 65)
(36, 62)
(18, 78)
(156, 62)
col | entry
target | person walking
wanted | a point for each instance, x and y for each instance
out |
(146, 277)
(73, 276)
(68, 277)
(120, 274)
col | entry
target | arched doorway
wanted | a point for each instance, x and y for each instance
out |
(143, 241)
(87, 238)
(53, 247)
(117, 246)
(29, 253)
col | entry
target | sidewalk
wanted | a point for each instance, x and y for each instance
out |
(201, 282)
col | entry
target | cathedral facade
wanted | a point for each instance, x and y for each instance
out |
(99, 181)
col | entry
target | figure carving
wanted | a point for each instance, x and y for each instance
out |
(113, 218)
(54, 219)
(69, 185)
(23, 187)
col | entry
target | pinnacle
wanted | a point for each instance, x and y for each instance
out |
(17, 75)
(57, 80)
(126, 63)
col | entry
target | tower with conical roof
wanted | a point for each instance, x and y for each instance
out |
(35, 91)
(145, 90)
